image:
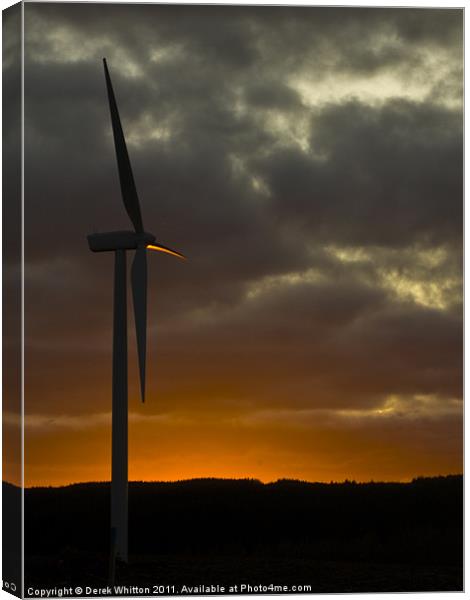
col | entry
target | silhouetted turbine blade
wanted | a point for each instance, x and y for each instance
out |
(139, 296)
(128, 190)
(161, 248)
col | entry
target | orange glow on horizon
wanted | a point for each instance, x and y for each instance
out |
(177, 447)
(166, 250)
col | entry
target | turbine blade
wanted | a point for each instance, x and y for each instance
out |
(126, 178)
(161, 248)
(139, 296)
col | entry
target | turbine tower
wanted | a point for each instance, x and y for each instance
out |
(119, 242)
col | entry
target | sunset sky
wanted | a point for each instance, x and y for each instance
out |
(308, 161)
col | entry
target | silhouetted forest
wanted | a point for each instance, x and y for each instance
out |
(361, 537)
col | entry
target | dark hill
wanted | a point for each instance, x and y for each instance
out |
(414, 524)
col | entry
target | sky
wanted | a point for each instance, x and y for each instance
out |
(308, 161)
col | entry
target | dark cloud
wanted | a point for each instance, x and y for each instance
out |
(385, 176)
(272, 94)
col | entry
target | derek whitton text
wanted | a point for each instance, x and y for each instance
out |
(163, 590)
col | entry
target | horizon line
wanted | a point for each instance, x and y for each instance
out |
(240, 479)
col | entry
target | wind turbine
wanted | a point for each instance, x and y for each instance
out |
(119, 242)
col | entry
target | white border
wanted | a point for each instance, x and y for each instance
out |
(335, 3)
